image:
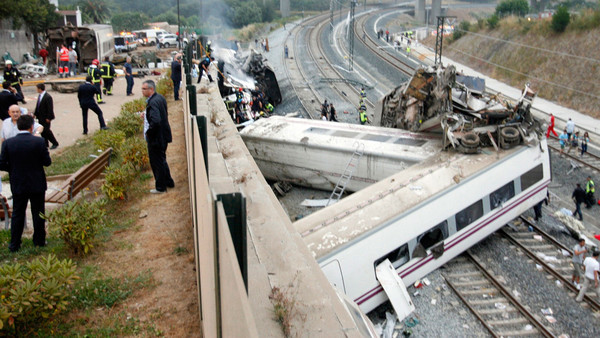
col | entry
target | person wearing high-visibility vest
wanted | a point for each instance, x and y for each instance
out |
(363, 116)
(108, 74)
(63, 61)
(13, 76)
(94, 72)
(590, 188)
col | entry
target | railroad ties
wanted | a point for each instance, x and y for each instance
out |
(588, 160)
(496, 308)
(538, 245)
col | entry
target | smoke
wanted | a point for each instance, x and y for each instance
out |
(213, 14)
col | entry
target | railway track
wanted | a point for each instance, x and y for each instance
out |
(588, 160)
(548, 253)
(497, 309)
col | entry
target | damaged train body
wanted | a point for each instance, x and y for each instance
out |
(246, 70)
(89, 42)
(440, 100)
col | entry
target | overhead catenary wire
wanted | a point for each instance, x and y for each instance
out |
(524, 74)
(531, 47)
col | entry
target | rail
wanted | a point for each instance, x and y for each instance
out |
(470, 282)
(519, 239)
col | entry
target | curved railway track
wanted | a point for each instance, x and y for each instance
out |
(497, 309)
(548, 253)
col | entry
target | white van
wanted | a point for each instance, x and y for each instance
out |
(148, 37)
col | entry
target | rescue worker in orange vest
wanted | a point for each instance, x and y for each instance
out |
(94, 72)
(63, 61)
(108, 75)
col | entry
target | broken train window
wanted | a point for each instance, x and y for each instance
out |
(397, 257)
(502, 195)
(432, 239)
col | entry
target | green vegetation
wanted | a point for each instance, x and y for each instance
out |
(40, 287)
(493, 21)
(512, 7)
(77, 223)
(34, 291)
(561, 19)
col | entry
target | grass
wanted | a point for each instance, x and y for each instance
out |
(96, 290)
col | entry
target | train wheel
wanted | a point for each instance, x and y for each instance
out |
(470, 140)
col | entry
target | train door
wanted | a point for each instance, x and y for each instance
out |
(333, 272)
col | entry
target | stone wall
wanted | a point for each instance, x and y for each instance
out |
(16, 42)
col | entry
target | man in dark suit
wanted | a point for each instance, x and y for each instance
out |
(8, 97)
(158, 136)
(85, 94)
(176, 76)
(44, 111)
(24, 157)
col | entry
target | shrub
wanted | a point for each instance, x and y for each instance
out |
(135, 151)
(463, 28)
(116, 180)
(77, 223)
(561, 19)
(107, 139)
(134, 106)
(512, 7)
(33, 291)
(493, 21)
(129, 122)
(164, 86)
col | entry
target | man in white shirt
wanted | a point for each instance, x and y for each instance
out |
(570, 128)
(591, 267)
(9, 125)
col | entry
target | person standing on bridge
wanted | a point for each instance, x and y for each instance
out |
(176, 76)
(158, 136)
(551, 127)
(592, 268)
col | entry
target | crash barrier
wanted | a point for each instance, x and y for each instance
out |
(220, 264)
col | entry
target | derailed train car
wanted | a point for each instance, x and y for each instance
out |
(89, 41)
(440, 100)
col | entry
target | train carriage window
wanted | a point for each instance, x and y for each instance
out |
(431, 238)
(398, 257)
(469, 215)
(502, 194)
(532, 177)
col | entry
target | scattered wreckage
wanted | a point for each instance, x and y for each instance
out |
(440, 100)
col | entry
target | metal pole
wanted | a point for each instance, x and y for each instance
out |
(179, 40)
(351, 35)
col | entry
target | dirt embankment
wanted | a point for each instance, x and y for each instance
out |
(562, 68)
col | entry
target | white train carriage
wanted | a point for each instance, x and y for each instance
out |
(423, 216)
(314, 153)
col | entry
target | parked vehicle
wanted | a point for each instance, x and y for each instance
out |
(125, 43)
(147, 37)
(168, 40)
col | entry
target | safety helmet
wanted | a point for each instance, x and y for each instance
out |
(95, 62)
(8, 62)
(240, 89)
(208, 43)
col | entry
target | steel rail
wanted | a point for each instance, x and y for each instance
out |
(505, 293)
(592, 302)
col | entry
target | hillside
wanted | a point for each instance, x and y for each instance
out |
(562, 68)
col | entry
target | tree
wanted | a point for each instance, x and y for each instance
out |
(463, 28)
(246, 13)
(560, 19)
(128, 21)
(96, 10)
(512, 7)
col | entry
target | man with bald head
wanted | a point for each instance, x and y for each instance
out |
(9, 125)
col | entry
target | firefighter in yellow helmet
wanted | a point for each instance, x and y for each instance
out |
(96, 75)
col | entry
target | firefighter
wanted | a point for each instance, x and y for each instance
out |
(63, 61)
(13, 76)
(363, 95)
(94, 72)
(108, 75)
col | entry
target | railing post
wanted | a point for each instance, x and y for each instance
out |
(203, 130)
(234, 205)
(191, 89)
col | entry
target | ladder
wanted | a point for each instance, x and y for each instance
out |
(337, 192)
